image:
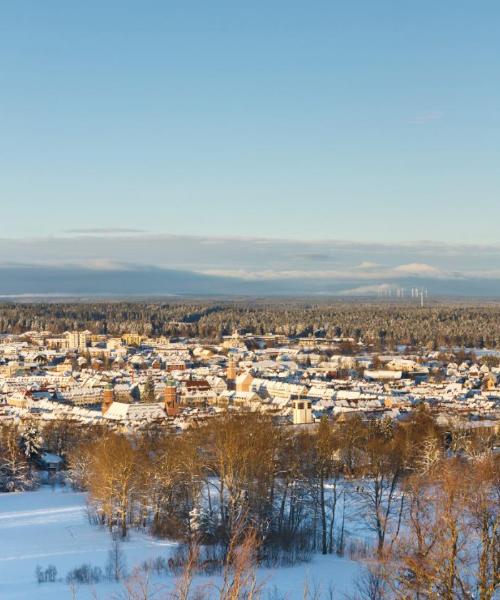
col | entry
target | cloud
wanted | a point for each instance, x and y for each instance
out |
(427, 117)
(269, 274)
(285, 263)
(314, 257)
(342, 274)
(418, 269)
(104, 264)
(39, 281)
(103, 231)
(367, 264)
(368, 290)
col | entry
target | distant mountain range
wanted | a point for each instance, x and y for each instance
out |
(29, 280)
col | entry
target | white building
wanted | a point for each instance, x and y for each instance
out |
(302, 412)
(77, 340)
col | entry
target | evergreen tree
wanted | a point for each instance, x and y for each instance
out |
(148, 394)
(31, 442)
(14, 471)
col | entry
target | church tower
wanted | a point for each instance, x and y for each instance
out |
(302, 412)
(231, 374)
(108, 398)
(171, 398)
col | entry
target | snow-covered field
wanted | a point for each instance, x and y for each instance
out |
(50, 527)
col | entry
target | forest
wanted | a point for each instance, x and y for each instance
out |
(418, 505)
(383, 324)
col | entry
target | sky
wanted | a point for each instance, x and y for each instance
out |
(311, 122)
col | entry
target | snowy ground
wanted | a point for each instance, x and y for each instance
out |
(50, 526)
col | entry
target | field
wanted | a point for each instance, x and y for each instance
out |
(50, 527)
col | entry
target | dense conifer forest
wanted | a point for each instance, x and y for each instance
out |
(381, 323)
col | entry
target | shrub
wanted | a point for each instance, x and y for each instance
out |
(86, 574)
(48, 575)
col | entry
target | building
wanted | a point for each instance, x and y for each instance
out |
(199, 397)
(77, 340)
(108, 398)
(83, 395)
(171, 398)
(302, 412)
(231, 374)
(243, 382)
(132, 339)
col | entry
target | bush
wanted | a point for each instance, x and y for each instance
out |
(358, 549)
(48, 575)
(157, 565)
(85, 573)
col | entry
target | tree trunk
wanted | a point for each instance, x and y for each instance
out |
(324, 547)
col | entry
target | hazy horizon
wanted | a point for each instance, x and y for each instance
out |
(268, 148)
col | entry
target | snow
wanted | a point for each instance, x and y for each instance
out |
(49, 458)
(50, 526)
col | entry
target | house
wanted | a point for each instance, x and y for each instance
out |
(244, 382)
(50, 462)
(382, 374)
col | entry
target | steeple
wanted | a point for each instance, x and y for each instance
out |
(231, 373)
(171, 399)
(108, 398)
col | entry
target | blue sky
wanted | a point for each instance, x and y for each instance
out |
(312, 120)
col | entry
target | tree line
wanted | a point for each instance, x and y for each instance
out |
(382, 324)
(419, 504)
(426, 500)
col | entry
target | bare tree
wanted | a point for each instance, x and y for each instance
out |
(239, 576)
(116, 565)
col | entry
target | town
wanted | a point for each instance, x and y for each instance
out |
(209, 442)
(133, 382)
(249, 301)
